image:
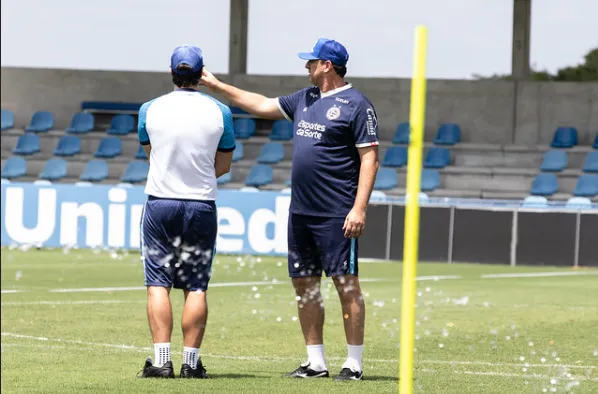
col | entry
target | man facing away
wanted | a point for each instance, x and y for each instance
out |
(335, 161)
(189, 139)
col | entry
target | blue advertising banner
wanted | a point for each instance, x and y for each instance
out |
(62, 215)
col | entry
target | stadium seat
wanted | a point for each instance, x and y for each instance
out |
(14, 167)
(136, 171)
(54, 169)
(535, 201)
(591, 163)
(27, 144)
(259, 175)
(377, 195)
(401, 134)
(564, 137)
(271, 153)
(288, 182)
(41, 121)
(437, 158)
(430, 180)
(282, 130)
(238, 153)
(108, 147)
(544, 184)
(225, 178)
(287, 190)
(386, 179)
(141, 155)
(448, 134)
(8, 119)
(244, 128)
(95, 171)
(595, 145)
(579, 202)
(554, 161)
(395, 156)
(68, 145)
(587, 186)
(121, 124)
(82, 122)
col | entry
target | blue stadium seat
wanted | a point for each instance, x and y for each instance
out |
(238, 153)
(14, 167)
(244, 128)
(141, 155)
(587, 186)
(591, 162)
(225, 178)
(27, 144)
(271, 153)
(259, 175)
(95, 171)
(579, 202)
(564, 137)
(8, 119)
(437, 158)
(395, 156)
(430, 180)
(401, 134)
(68, 145)
(448, 134)
(544, 184)
(554, 161)
(108, 147)
(386, 179)
(282, 130)
(54, 169)
(82, 122)
(595, 145)
(41, 121)
(121, 124)
(535, 201)
(136, 171)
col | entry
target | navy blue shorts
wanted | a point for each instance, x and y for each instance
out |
(178, 240)
(318, 244)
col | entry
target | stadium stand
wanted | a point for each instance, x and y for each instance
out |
(8, 119)
(95, 171)
(244, 128)
(27, 144)
(386, 179)
(14, 167)
(135, 172)
(587, 186)
(437, 158)
(282, 130)
(238, 152)
(54, 170)
(591, 162)
(223, 179)
(430, 180)
(448, 134)
(395, 156)
(259, 175)
(545, 184)
(109, 147)
(141, 155)
(41, 121)
(82, 122)
(401, 135)
(595, 145)
(271, 153)
(554, 161)
(122, 124)
(564, 137)
(68, 145)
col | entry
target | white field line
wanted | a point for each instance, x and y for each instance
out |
(11, 291)
(538, 274)
(71, 302)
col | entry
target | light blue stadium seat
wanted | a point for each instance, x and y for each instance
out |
(564, 137)
(595, 145)
(41, 121)
(68, 145)
(579, 202)
(141, 155)
(225, 178)
(259, 175)
(244, 128)
(136, 171)
(238, 153)
(95, 171)
(401, 134)
(587, 186)
(591, 162)
(377, 195)
(8, 119)
(448, 134)
(437, 158)
(27, 144)
(535, 201)
(430, 180)
(109, 147)
(14, 167)
(395, 156)
(386, 179)
(271, 153)
(121, 124)
(282, 130)
(54, 169)
(545, 184)
(554, 161)
(82, 122)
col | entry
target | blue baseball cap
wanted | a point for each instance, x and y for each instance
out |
(189, 55)
(326, 49)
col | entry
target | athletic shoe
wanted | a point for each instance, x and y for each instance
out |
(349, 374)
(149, 371)
(304, 371)
(197, 373)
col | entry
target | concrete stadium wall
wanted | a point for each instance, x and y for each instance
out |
(497, 112)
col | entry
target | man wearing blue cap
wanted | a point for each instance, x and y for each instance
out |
(335, 160)
(189, 139)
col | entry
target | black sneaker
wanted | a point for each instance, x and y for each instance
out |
(304, 371)
(197, 373)
(349, 374)
(149, 371)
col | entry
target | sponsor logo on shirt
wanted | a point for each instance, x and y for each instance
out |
(372, 123)
(310, 130)
(341, 100)
(333, 113)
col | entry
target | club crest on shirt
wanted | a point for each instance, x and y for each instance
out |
(333, 113)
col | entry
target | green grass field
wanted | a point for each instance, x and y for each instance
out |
(76, 321)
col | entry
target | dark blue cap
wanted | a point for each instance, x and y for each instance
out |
(326, 49)
(189, 55)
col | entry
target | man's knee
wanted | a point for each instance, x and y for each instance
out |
(347, 286)
(308, 288)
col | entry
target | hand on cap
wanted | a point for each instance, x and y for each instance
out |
(208, 79)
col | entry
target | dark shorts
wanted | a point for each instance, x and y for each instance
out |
(178, 240)
(318, 244)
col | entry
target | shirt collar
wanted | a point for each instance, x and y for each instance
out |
(335, 91)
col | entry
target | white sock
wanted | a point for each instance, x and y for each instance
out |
(315, 357)
(162, 353)
(190, 355)
(354, 359)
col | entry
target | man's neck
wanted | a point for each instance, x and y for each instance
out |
(194, 87)
(332, 84)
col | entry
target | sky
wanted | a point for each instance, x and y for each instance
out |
(465, 37)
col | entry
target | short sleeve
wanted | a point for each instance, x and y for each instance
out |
(365, 125)
(141, 129)
(227, 141)
(288, 104)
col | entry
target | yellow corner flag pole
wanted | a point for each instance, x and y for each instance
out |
(411, 241)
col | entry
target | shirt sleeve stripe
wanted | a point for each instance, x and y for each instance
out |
(282, 110)
(364, 144)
